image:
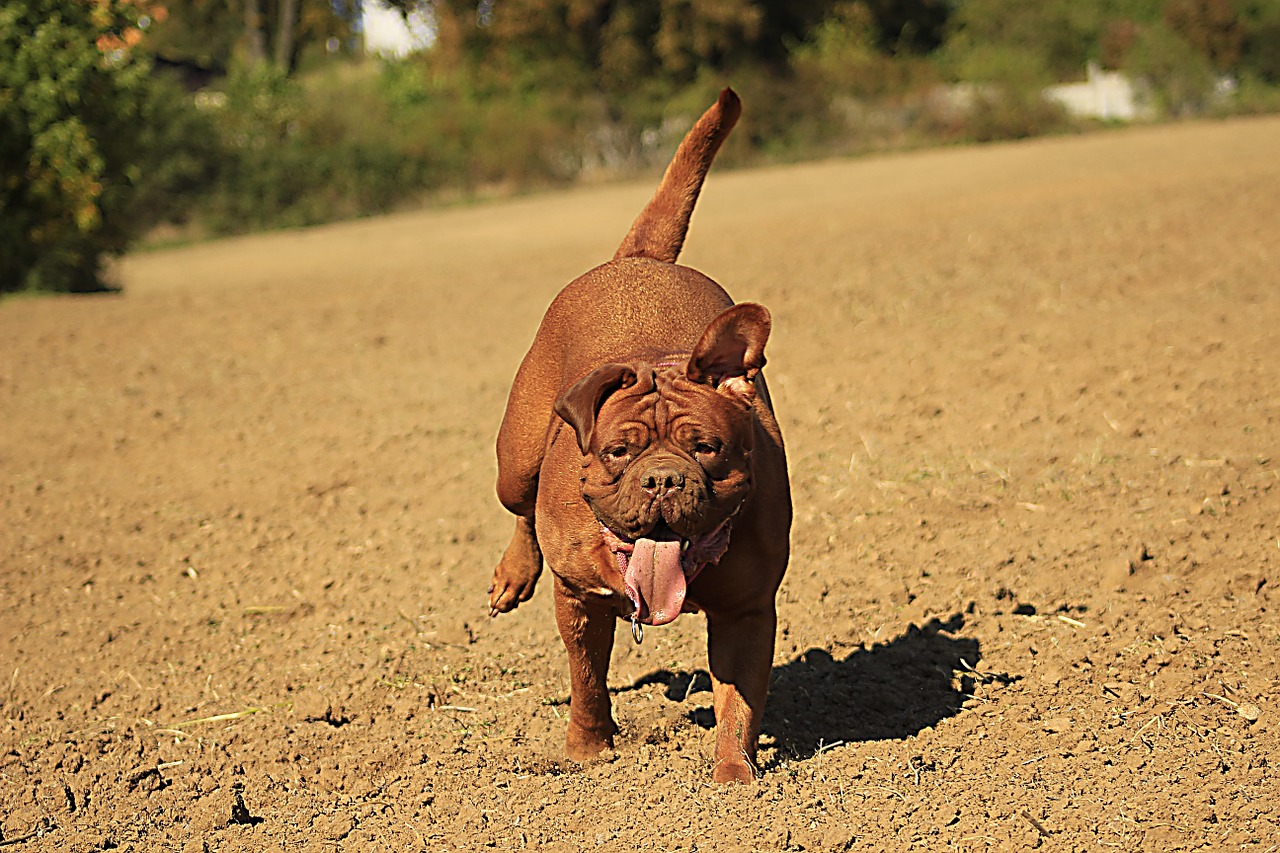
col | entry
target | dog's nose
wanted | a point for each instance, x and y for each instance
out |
(658, 481)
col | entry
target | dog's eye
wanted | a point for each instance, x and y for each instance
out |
(615, 454)
(706, 448)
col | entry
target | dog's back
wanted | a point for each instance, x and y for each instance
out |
(642, 298)
(639, 303)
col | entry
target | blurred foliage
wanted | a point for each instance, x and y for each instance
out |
(1181, 76)
(214, 34)
(1212, 28)
(72, 99)
(1260, 53)
(216, 117)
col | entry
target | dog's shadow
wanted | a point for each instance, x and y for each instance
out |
(889, 691)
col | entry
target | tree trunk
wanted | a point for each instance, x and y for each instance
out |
(284, 35)
(255, 35)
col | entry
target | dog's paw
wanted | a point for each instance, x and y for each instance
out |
(737, 769)
(505, 596)
(587, 744)
(517, 572)
(512, 584)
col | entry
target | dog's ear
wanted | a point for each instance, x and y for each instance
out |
(580, 405)
(731, 351)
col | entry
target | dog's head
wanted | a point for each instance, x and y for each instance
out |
(667, 447)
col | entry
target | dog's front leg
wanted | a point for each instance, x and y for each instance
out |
(740, 652)
(587, 630)
(517, 573)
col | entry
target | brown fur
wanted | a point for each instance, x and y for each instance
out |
(640, 405)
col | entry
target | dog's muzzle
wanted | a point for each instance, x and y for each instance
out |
(658, 568)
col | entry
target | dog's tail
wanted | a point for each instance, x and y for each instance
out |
(659, 230)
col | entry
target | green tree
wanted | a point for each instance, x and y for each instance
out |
(619, 45)
(1180, 75)
(843, 56)
(1261, 53)
(214, 34)
(910, 26)
(1033, 43)
(1212, 27)
(669, 38)
(72, 93)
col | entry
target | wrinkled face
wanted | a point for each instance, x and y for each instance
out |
(668, 451)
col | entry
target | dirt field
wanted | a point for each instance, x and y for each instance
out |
(1030, 398)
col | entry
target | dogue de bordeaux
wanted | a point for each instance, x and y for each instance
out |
(640, 455)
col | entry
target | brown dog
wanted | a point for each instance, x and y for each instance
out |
(640, 454)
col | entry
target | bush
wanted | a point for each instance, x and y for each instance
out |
(999, 96)
(1181, 78)
(1013, 113)
(359, 139)
(179, 156)
(1254, 97)
(486, 128)
(352, 138)
(285, 155)
(1261, 58)
(72, 99)
(841, 58)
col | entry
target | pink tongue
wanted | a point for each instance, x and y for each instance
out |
(656, 580)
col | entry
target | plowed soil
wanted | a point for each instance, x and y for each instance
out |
(1030, 398)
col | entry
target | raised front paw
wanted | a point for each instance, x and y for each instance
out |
(510, 587)
(517, 572)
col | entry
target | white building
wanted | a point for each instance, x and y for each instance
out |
(1104, 94)
(387, 33)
